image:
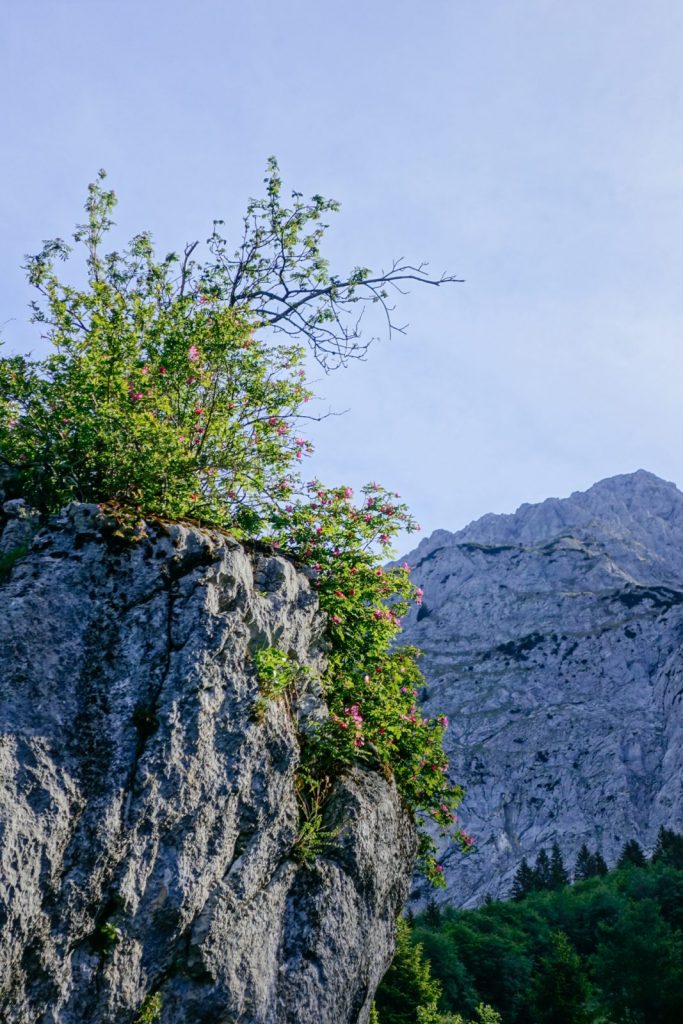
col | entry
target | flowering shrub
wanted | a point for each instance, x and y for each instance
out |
(158, 397)
(371, 685)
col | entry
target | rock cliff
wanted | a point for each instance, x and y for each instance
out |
(552, 639)
(148, 817)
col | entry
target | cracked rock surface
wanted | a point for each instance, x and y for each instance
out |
(147, 818)
(553, 640)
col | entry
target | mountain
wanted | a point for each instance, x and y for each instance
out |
(552, 640)
(151, 863)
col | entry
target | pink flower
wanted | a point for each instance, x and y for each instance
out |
(419, 595)
(193, 353)
(336, 619)
(144, 371)
(198, 411)
(443, 721)
(163, 371)
(438, 869)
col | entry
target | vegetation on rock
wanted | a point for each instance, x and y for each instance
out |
(162, 396)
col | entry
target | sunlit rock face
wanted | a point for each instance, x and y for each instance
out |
(148, 816)
(552, 640)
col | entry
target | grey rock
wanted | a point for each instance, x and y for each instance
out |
(147, 818)
(552, 639)
(21, 523)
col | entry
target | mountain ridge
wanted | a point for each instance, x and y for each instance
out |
(552, 639)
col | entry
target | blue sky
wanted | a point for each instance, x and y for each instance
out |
(532, 146)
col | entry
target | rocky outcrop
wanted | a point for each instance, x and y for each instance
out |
(148, 817)
(552, 639)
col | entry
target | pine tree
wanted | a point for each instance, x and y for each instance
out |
(561, 989)
(558, 873)
(632, 856)
(542, 872)
(599, 864)
(408, 984)
(524, 881)
(432, 914)
(584, 865)
(668, 849)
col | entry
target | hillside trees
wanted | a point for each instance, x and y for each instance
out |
(605, 949)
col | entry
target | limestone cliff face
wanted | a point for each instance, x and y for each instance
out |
(553, 640)
(147, 819)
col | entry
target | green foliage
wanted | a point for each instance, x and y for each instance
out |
(279, 274)
(371, 686)
(589, 865)
(631, 856)
(150, 1011)
(431, 1015)
(558, 872)
(524, 881)
(548, 873)
(314, 837)
(638, 966)
(156, 397)
(408, 984)
(10, 558)
(106, 937)
(410, 995)
(159, 400)
(606, 949)
(275, 671)
(668, 849)
(560, 987)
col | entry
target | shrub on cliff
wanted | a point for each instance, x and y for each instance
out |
(163, 397)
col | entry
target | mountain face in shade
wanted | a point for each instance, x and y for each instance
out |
(552, 639)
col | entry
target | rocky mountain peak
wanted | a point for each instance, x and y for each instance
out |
(552, 639)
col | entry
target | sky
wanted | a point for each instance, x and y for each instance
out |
(533, 147)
